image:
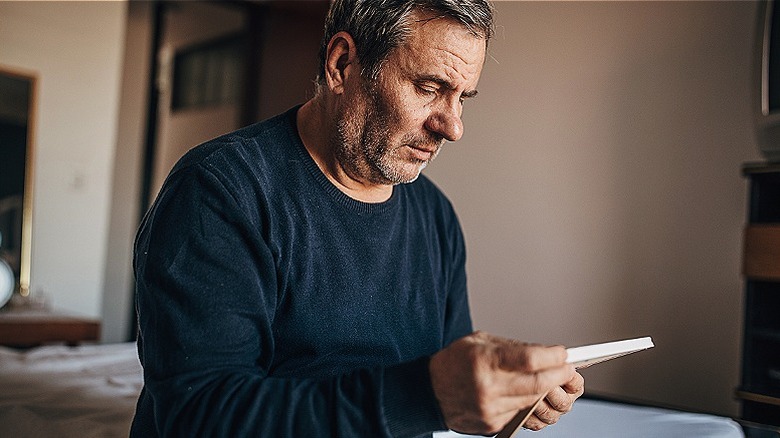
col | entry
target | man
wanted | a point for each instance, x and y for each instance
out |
(300, 278)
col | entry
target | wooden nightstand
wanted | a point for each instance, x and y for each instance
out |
(23, 328)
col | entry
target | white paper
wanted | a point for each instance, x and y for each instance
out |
(585, 356)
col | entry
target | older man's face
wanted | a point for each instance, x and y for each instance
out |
(390, 129)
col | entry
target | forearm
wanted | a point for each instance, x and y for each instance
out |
(383, 402)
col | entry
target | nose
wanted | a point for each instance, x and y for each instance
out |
(446, 122)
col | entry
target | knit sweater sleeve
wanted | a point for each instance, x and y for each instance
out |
(457, 321)
(207, 295)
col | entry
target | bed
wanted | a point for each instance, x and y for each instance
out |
(64, 392)
(592, 418)
(91, 390)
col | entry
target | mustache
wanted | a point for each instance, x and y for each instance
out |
(430, 142)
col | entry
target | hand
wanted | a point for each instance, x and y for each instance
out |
(481, 381)
(557, 402)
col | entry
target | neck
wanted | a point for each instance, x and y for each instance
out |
(315, 126)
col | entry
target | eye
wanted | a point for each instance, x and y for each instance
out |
(425, 90)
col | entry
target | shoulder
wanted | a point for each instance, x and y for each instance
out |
(246, 165)
(259, 143)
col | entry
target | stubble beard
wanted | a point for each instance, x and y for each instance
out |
(362, 147)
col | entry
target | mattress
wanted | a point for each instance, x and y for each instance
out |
(64, 392)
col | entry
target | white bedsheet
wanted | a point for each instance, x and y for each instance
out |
(64, 392)
(600, 419)
(91, 391)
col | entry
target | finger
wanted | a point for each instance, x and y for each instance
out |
(535, 423)
(576, 385)
(504, 403)
(540, 382)
(517, 356)
(546, 414)
(512, 408)
(559, 400)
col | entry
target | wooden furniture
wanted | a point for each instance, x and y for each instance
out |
(759, 390)
(24, 328)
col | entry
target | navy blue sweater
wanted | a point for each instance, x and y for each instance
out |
(272, 305)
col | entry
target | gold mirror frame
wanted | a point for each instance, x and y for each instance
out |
(25, 244)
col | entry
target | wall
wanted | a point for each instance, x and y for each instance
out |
(186, 25)
(76, 49)
(127, 169)
(598, 183)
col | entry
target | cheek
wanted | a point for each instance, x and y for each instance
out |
(410, 115)
(403, 110)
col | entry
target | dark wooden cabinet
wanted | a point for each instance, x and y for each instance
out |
(22, 328)
(759, 391)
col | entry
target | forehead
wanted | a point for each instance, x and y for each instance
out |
(441, 46)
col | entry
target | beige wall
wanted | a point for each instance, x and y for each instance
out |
(598, 183)
(76, 49)
(127, 171)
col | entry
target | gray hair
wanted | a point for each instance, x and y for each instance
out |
(378, 26)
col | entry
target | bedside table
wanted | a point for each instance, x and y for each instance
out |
(24, 328)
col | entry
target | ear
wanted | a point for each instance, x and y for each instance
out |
(340, 61)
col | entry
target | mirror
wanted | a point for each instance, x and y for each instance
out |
(17, 103)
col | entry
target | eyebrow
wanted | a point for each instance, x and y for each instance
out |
(446, 84)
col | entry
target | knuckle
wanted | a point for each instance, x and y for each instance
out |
(547, 415)
(543, 411)
(478, 337)
(559, 400)
(526, 359)
(530, 357)
(538, 385)
(562, 407)
(472, 359)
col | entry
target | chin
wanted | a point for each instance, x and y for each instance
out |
(413, 179)
(406, 177)
(398, 170)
